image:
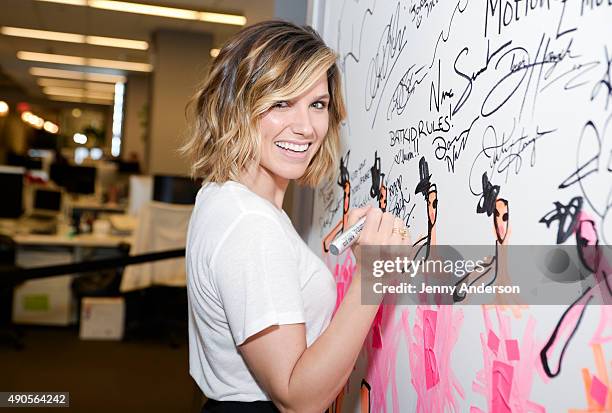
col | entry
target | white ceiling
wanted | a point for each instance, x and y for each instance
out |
(33, 14)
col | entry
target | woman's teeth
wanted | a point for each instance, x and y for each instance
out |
(292, 146)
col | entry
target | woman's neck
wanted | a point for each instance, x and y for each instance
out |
(266, 185)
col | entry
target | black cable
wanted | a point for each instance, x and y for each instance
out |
(17, 275)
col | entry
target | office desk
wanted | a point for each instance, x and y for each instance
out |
(76, 243)
(14, 228)
(81, 240)
(51, 301)
(95, 206)
(37, 250)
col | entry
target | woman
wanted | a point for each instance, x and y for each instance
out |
(260, 301)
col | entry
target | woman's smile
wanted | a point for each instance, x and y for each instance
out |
(294, 150)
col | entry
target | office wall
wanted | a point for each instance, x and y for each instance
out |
(292, 10)
(14, 134)
(136, 117)
(180, 60)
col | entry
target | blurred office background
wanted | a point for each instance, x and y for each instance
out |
(92, 111)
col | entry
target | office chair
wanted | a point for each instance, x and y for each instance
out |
(8, 331)
(155, 292)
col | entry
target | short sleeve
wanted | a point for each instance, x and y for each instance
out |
(256, 277)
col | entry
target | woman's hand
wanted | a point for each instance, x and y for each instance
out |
(380, 229)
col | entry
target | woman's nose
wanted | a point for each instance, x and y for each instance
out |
(302, 124)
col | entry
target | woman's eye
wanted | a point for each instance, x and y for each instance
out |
(320, 105)
(281, 104)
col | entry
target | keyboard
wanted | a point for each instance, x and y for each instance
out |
(39, 225)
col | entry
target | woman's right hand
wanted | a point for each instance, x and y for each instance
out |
(378, 228)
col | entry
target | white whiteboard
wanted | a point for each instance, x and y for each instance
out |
(519, 90)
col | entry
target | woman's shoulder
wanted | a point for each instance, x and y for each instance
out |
(227, 202)
(231, 214)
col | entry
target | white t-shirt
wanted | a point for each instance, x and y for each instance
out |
(247, 269)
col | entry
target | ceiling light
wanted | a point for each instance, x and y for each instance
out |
(161, 11)
(32, 120)
(71, 2)
(78, 75)
(74, 38)
(83, 61)
(115, 42)
(117, 64)
(137, 8)
(50, 127)
(4, 108)
(106, 87)
(79, 138)
(65, 91)
(232, 19)
(96, 153)
(107, 102)
(42, 34)
(52, 58)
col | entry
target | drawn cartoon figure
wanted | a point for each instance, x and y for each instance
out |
(593, 174)
(345, 182)
(495, 268)
(566, 215)
(430, 192)
(342, 273)
(384, 337)
(364, 397)
(336, 406)
(378, 189)
(592, 259)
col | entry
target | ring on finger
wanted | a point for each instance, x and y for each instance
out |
(403, 232)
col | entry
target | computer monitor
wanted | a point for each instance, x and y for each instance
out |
(46, 201)
(35, 164)
(80, 179)
(28, 162)
(175, 189)
(11, 182)
(129, 167)
(57, 172)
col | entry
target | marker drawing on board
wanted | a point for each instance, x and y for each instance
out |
(347, 238)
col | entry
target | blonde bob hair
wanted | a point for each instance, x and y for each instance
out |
(261, 65)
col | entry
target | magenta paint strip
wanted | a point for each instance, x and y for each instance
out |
(599, 391)
(502, 384)
(343, 274)
(493, 342)
(512, 350)
(432, 376)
